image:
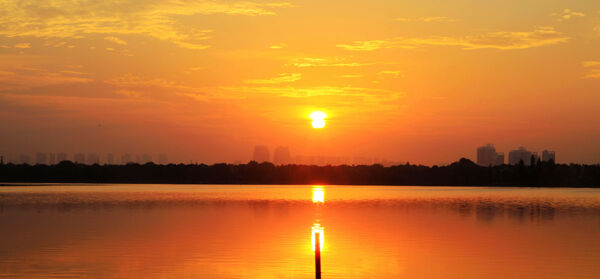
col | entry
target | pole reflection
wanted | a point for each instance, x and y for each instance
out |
(317, 235)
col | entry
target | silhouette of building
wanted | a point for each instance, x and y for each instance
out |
(487, 156)
(1, 160)
(261, 154)
(40, 158)
(24, 159)
(79, 158)
(93, 158)
(126, 159)
(281, 156)
(146, 158)
(162, 159)
(51, 159)
(61, 157)
(548, 155)
(521, 154)
(110, 158)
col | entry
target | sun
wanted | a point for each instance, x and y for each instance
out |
(318, 119)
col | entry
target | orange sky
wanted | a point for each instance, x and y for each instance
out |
(419, 81)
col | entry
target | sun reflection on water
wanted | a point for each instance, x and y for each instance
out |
(318, 195)
(318, 229)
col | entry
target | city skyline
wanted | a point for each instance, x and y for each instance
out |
(411, 81)
(486, 155)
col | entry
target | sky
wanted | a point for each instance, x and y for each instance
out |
(419, 81)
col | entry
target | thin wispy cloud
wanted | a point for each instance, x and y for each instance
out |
(305, 92)
(304, 62)
(426, 19)
(589, 64)
(282, 78)
(567, 14)
(278, 46)
(159, 20)
(503, 40)
(593, 69)
(23, 45)
(131, 85)
(393, 74)
(115, 40)
(30, 77)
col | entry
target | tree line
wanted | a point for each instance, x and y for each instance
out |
(461, 173)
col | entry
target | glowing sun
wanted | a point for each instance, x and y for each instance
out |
(318, 119)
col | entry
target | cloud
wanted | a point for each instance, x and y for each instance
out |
(593, 73)
(369, 45)
(325, 62)
(152, 18)
(426, 19)
(341, 96)
(279, 46)
(503, 40)
(593, 69)
(394, 74)
(131, 85)
(315, 91)
(23, 45)
(588, 64)
(351, 76)
(30, 77)
(282, 78)
(567, 14)
(115, 40)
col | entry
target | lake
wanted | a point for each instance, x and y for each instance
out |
(259, 231)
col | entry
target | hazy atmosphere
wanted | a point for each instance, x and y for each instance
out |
(420, 81)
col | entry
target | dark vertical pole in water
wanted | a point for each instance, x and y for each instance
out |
(318, 255)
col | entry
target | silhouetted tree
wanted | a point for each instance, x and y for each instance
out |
(463, 172)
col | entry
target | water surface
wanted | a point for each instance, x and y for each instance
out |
(233, 231)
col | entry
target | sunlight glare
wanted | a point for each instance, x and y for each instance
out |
(318, 195)
(318, 229)
(318, 119)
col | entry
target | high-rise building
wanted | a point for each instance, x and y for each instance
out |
(261, 154)
(548, 155)
(520, 154)
(281, 156)
(146, 158)
(51, 159)
(61, 157)
(93, 158)
(40, 158)
(79, 158)
(126, 159)
(110, 158)
(499, 159)
(487, 156)
(162, 159)
(24, 159)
